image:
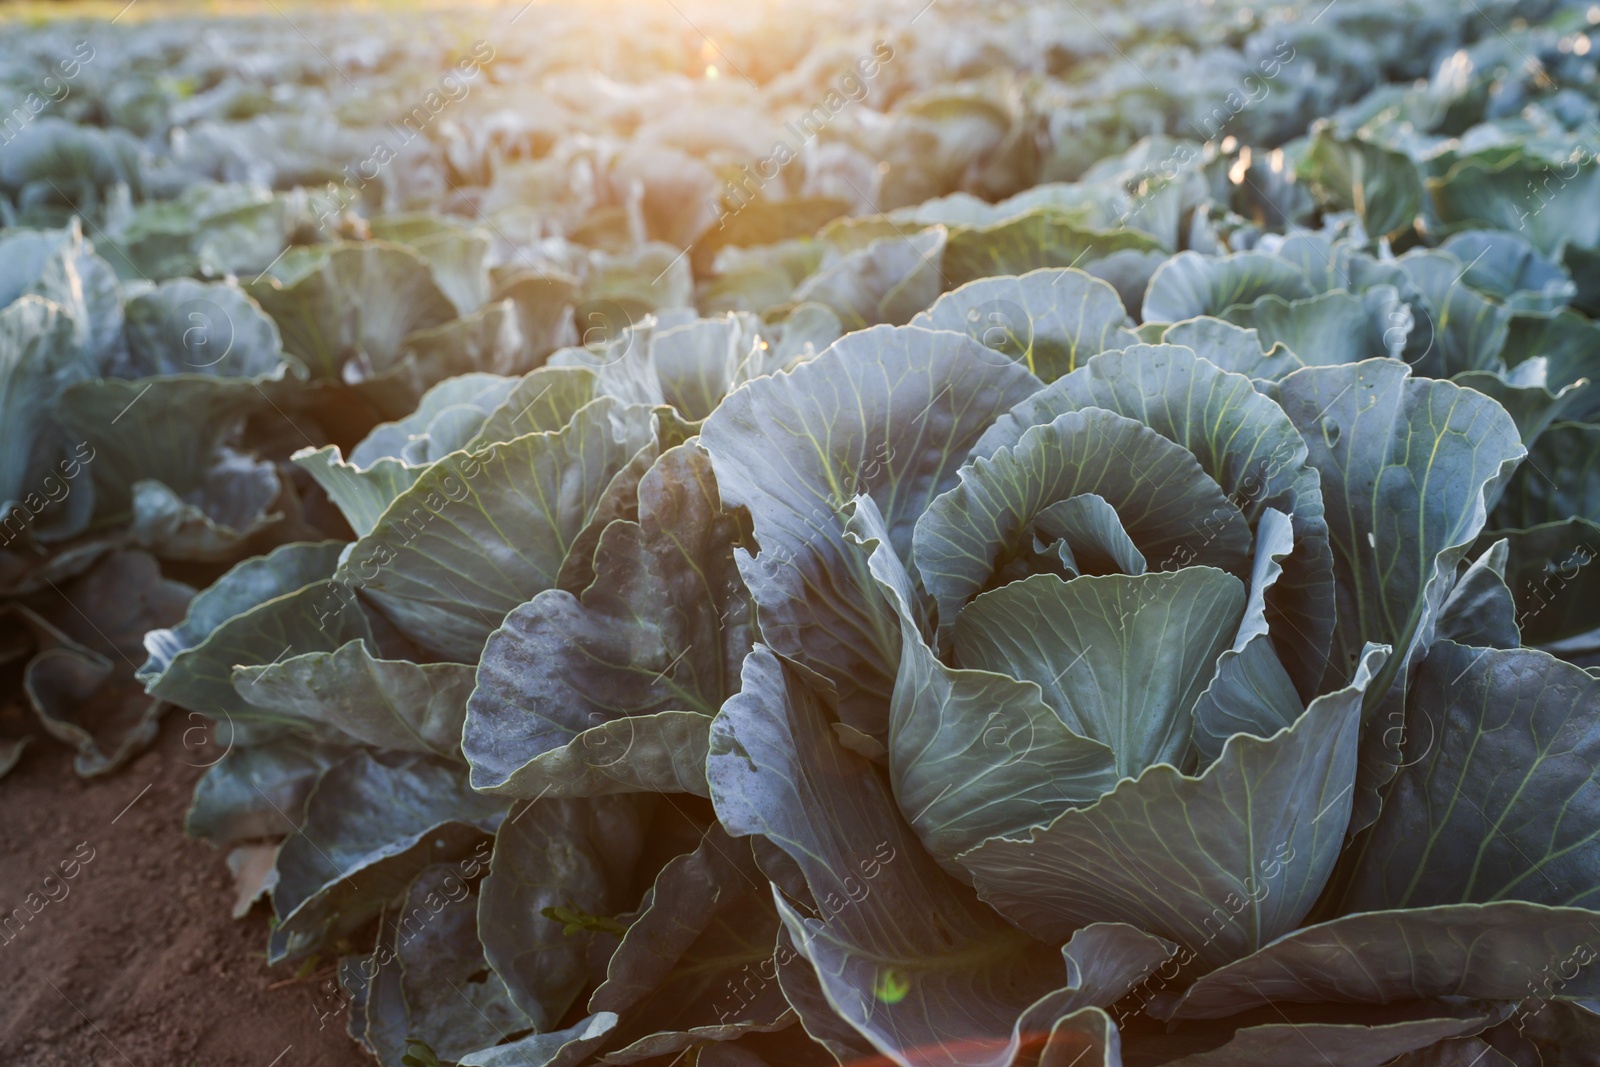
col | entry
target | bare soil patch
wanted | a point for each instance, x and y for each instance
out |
(136, 961)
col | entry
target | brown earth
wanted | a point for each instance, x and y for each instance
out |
(136, 962)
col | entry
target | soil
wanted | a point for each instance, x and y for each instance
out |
(133, 959)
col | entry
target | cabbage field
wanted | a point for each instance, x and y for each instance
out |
(1038, 533)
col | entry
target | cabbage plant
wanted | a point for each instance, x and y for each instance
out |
(1081, 568)
(912, 707)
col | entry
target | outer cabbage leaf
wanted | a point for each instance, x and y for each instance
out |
(542, 400)
(1548, 573)
(263, 610)
(1044, 237)
(1492, 951)
(343, 313)
(1560, 480)
(39, 359)
(1460, 328)
(481, 533)
(190, 327)
(371, 825)
(1491, 188)
(1408, 470)
(596, 694)
(555, 854)
(802, 989)
(448, 998)
(622, 364)
(1570, 345)
(1330, 328)
(1233, 348)
(1493, 800)
(1383, 187)
(651, 277)
(489, 339)
(707, 923)
(544, 303)
(555, 1048)
(286, 569)
(888, 281)
(1050, 320)
(807, 330)
(1553, 1029)
(699, 362)
(384, 703)
(1480, 610)
(253, 790)
(81, 680)
(887, 412)
(1527, 395)
(61, 266)
(448, 415)
(456, 254)
(759, 278)
(1507, 266)
(1190, 284)
(216, 518)
(1338, 1035)
(675, 358)
(393, 455)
